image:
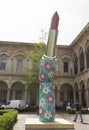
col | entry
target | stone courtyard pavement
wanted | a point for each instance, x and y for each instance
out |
(20, 124)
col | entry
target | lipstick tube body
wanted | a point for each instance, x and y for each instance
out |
(47, 90)
(51, 42)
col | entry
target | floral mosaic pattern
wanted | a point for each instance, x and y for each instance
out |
(47, 69)
(47, 90)
(46, 102)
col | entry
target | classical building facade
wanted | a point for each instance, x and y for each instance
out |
(71, 77)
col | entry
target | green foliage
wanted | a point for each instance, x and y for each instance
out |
(35, 55)
(7, 119)
(2, 128)
(85, 111)
(72, 111)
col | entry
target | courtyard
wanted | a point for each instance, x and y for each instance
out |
(20, 124)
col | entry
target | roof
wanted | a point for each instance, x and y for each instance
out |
(85, 29)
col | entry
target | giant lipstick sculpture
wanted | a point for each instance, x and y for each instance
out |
(47, 69)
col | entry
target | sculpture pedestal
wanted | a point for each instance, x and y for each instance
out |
(58, 124)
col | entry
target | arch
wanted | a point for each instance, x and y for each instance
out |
(83, 93)
(3, 92)
(3, 85)
(66, 61)
(17, 90)
(81, 59)
(66, 93)
(66, 57)
(17, 84)
(20, 54)
(5, 53)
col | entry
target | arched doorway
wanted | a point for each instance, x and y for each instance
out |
(66, 93)
(3, 92)
(17, 91)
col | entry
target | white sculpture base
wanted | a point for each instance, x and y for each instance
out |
(58, 124)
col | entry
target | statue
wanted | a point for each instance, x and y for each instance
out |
(47, 70)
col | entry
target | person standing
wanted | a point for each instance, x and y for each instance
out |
(78, 112)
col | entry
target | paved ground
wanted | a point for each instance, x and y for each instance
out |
(20, 125)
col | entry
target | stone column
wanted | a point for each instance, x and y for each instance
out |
(58, 98)
(14, 65)
(78, 66)
(8, 66)
(61, 68)
(8, 95)
(25, 96)
(74, 95)
(87, 97)
(85, 62)
(73, 67)
(28, 97)
(11, 70)
(80, 98)
(13, 96)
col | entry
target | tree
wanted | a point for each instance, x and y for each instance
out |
(32, 78)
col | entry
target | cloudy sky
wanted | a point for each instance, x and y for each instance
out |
(23, 20)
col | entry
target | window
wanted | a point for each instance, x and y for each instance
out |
(76, 65)
(65, 66)
(2, 62)
(19, 63)
(87, 58)
(81, 58)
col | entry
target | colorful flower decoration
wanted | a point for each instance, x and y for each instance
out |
(40, 87)
(48, 66)
(41, 111)
(42, 102)
(43, 76)
(50, 99)
(48, 115)
(50, 74)
(46, 90)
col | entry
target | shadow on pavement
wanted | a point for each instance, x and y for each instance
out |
(85, 123)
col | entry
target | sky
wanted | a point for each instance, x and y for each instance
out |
(25, 20)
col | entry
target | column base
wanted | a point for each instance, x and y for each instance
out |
(58, 124)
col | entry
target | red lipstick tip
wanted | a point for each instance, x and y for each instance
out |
(55, 21)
